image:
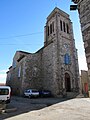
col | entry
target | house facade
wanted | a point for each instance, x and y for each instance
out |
(54, 67)
(84, 81)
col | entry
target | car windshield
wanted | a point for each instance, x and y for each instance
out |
(27, 91)
(34, 90)
(4, 91)
(31, 90)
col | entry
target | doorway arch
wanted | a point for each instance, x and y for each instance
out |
(67, 82)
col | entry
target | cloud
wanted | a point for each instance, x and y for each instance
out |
(3, 71)
(3, 76)
(82, 63)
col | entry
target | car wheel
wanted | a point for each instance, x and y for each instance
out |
(42, 96)
(29, 96)
(24, 96)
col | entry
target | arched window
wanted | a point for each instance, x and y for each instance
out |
(64, 27)
(53, 26)
(14, 63)
(19, 71)
(67, 28)
(67, 59)
(61, 25)
(50, 28)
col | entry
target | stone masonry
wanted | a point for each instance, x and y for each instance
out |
(54, 67)
(84, 14)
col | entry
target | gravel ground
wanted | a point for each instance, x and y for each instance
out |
(50, 109)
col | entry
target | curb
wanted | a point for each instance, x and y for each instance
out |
(11, 110)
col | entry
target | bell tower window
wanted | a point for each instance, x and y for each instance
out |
(61, 25)
(53, 26)
(64, 27)
(67, 59)
(67, 28)
(50, 28)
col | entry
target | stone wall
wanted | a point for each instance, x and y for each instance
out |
(15, 80)
(33, 72)
(84, 14)
(50, 68)
(84, 80)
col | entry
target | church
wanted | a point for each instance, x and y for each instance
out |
(54, 67)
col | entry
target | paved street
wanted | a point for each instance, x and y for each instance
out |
(20, 105)
(49, 109)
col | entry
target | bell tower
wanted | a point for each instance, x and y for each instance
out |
(49, 29)
(58, 33)
(58, 24)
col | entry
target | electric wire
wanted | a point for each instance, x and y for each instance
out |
(18, 36)
(22, 35)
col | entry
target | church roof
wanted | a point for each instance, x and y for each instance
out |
(24, 52)
(57, 10)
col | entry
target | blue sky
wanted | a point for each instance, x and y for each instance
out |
(22, 28)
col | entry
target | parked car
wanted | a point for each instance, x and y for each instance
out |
(45, 93)
(5, 94)
(31, 93)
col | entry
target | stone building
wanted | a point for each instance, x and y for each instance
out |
(84, 15)
(54, 67)
(84, 81)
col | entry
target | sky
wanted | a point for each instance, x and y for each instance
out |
(22, 28)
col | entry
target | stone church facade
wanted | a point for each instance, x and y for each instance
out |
(54, 67)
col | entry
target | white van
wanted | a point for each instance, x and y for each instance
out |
(5, 94)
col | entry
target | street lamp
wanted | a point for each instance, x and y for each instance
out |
(73, 7)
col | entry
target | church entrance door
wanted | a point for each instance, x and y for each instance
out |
(67, 82)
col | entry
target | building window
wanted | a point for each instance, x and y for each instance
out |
(50, 28)
(64, 27)
(14, 64)
(87, 50)
(19, 71)
(67, 28)
(61, 25)
(9, 76)
(89, 65)
(53, 26)
(67, 59)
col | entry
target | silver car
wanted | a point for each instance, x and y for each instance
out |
(31, 93)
